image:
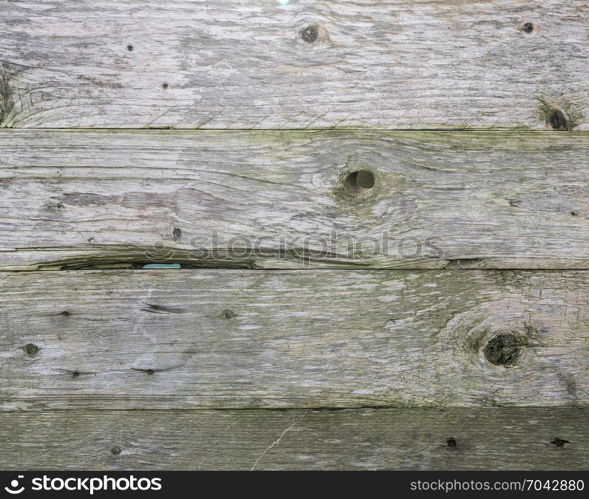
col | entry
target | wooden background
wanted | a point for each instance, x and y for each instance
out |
(438, 319)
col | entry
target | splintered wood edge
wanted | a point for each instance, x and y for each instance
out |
(264, 200)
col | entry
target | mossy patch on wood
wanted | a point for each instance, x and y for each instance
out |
(7, 102)
(559, 114)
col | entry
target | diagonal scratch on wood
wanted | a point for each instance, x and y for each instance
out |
(277, 441)
(147, 125)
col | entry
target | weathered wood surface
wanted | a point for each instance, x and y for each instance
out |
(365, 439)
(293, 339)
(306, 64)
(75, 199)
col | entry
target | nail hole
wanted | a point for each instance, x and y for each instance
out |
(310, 33)
(452, 443)
(504, 349)
(229, 314)
(574, 213)
(528, 27)
(75, 374)
(130, 48)
(149, 371)
(359, 182)
(559, 442)
(31, 349)
(65, 313)
(115, 451)
(164, 86)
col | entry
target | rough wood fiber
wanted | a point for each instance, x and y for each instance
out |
(307, 64)
(366, 439)
(73, 199)
(293, 339)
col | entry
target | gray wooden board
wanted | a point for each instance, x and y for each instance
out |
(267, 199)
(357, 439)
(293, 339)
(308, 64)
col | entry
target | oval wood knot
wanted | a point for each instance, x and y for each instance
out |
(504, 349)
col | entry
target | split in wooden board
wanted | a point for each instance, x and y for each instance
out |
(293, 199)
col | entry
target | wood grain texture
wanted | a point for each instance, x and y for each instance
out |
(308, 64)
(86, 199)
(293, 339)
(366, 439)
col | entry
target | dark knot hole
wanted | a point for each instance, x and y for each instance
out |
(504, 349)
(359, 182)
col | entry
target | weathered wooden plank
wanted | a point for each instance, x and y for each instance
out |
(280, 199)
(364, 439)
(293, 339)
(294, 64)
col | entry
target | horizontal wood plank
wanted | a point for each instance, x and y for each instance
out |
(88, 199)
(293, 339)
(366, 439)
(294, 64)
